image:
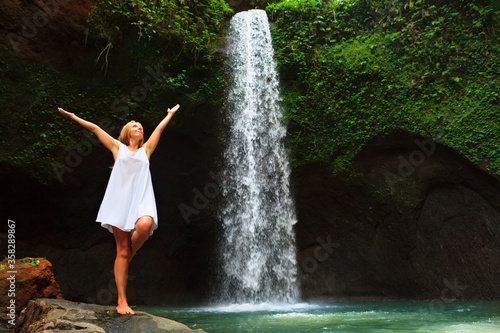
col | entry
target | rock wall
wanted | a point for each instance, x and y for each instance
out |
(45, 31)
(434, 234)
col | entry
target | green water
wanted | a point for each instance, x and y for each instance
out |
(379, 317)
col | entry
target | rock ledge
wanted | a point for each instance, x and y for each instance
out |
(44, 315)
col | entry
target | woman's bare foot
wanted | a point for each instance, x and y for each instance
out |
(124, 309)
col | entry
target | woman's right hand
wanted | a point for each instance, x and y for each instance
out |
(172, 110)
(65, 113)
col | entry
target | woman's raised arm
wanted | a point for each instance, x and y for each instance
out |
(107, 140)
(152, 142)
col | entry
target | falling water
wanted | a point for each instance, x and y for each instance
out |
(258, 247)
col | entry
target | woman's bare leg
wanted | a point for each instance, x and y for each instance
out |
(141, 233)
(123, 256)
(126, 248)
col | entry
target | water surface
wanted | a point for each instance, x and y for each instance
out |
(379, 317)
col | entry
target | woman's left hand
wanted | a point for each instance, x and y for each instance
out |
(65, 113)
(172, 110)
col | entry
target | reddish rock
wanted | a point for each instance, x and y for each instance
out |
(29, 282)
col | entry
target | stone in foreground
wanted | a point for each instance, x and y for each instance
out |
(44, 315)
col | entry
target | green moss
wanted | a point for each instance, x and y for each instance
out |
(357, 70)
(194, 25)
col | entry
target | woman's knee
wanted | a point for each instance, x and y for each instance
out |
(144, 224)
(123, 243)
(124, 252)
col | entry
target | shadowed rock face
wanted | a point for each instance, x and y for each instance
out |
(50, 314)
(239, 5)
(435, 236)
(47, 31)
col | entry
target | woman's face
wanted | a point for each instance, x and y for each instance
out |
(136, 131)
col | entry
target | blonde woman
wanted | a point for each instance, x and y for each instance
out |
(128, 209)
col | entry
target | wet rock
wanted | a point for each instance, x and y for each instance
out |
(60, 315)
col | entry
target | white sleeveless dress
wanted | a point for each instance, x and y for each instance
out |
(129, 194)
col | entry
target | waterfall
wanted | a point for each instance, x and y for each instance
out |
(258, 246)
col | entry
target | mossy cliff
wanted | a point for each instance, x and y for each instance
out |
(357, 70)
(392, 110)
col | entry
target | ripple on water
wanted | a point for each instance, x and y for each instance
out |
(379, 317)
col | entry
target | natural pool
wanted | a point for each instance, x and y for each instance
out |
(378, 316)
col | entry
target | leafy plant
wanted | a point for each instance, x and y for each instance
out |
(196, 25)
(29, 261)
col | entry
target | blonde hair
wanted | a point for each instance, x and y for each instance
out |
(125, 133)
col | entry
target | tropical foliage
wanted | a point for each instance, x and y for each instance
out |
(356, 70)
(351, 70)
(143, 56)
(194, 24)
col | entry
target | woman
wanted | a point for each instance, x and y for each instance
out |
(128, 209)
